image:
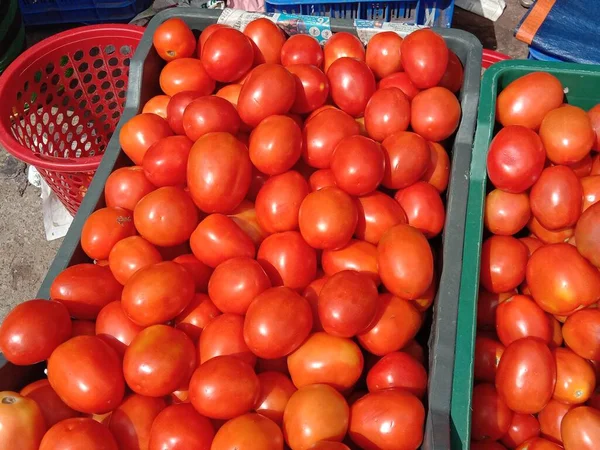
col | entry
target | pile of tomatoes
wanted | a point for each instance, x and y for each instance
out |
(261, 271)
(537, 357)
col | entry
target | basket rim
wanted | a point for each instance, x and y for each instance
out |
(87, 163)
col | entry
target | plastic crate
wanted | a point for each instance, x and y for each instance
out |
(582, 83)
(45, 12)
(143, 84)
(432, 13)
(541, 56)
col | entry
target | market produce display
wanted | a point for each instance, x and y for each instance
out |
(258, 277)
(538, 327)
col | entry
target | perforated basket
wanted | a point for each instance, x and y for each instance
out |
(61, 100)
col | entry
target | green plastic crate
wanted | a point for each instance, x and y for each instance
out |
(582, 83)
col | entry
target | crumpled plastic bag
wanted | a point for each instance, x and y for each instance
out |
(490, 9)
(146, 16)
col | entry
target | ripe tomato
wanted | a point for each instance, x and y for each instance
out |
(383, 54)
(245, 217)
(320, 179)
(539, 444)
(505, 213)
(519, 317)
(398, 370)
(196, 316)
(400, 418)
(177, 106)
(87, 375)
(591, 190)
(21, 422)
(407, 158)
(248, 432)
(199, 271)
(311, 293)
(342, 45)
(491, 417)
(423, 207)
(32, 330)
(454, 75)
(227, 54)
(278, 202)
(438, 172)
(130, 255)
(224, 335)
(487, 304)
(575, 377)
(424, 58)
(527, 100)
(126, 186)
(179, 427)
(288, 260)
(328, 218)
(165, 163)
(387, 112)
(587, 234)
(140, 132)
(157, 105)
(488, 352)
(210, 114)
(351, 85)
(522, 428)
(401, 81)
(550, 419)
(301, 49)
(53, 409)
(580, 429)
(546, 236)
(358, 165)
(131, 422)
(329, 445)
(526, 375)
(224, 387)
(275, 392)
(486, 445)
(275, 145)
(78, 434)
(267, 41)
(435, 114)
(580, 332)
(315, 413)
(186, 74)
(503, 263)
(85, 289)
(567, 134)
(157, 293)
(561, 280)
(377, 213)
(103, 229)
(231, 93)
(173, 39)
(358, 255)
(583, 167)
(219, 172)
(515, 159)
(115, 328)
(312, 88)
(206, 33)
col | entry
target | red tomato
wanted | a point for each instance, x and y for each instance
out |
(267, 41)
(423, 207)
(526, 375)
(103, 229)
(248, 432)
(257, 181)
(115, 328)
(522, 428)
(538, 444)
(21, 422)
(53, 409)
(87, 375)
(180, 427)
(438, 172)
(575, 377)
(206, 33)
(312, 88)
(311, 293)
(186, 74)
(454, 75)
(157, 293)
(199, 271)
(550, 419)
(275, 392)
(351, 85)
(591, 190)
(567, 134)
(487, 304)
(503, 263)
(219, 172)
(342, 45)
(377, 213)
(224, 335)
(275, 145)
(401, 81)
(358, 165)
(520, 317)
(227, 54)
(505, 213)
(231, 93)
(486, 445)
(140, 132)
(435, 114)
(196, 316)
(580, 429)
(587, 234)
(224, 387)
(561, 280)
(131, 422)
(387, 112)
(78, 434)
(488, 352)
(315, 413)
(85, 289)
(395, 324)
(594, 115)
(173, 39)
(407, 158)
(126, 186)
(358, 255)
(301, 49)
(320, 179)
(157, 105)
(398, 370)
(177, 106)
(210, 114)
(583, 167)
(580, 332)
(130, 255)
(400, 418)
(424, 58)
(491, 416)
(546, 236)
(329, 445)
(383, 54)
(245, 217)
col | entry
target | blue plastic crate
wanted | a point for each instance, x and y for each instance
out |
(45, 12)
(436, 13)
(541, 56)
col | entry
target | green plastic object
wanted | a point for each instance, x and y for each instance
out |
(581, 83)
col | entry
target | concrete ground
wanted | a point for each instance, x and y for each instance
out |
(25, 255)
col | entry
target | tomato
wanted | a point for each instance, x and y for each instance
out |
(486, 445)
(522, 428)
(383, 54)
(550, 419)
(575, 377)
(115, 328)
(587, 234)
(387, 112)
(78, 434)
(227, 54)
(87, 375)
(275, 392)
(126, 186)
(435, 114)
(275, 145)
(257, 181)
(342, 45)
(424, 58)
(398, 370)
(21, 422)
(526, 375)
(580, 429)
(224, 387)
(400, 418)
(488, 352)
(377, 213)
(487, 304)
(329, 445)
(423, 207)
(140, 132)
(505, 213)
(206, 33)
(580, 332)
(267, 41)
(247, 432)
(224, 335)
(527, 100)
(173, 39)
(583, 167)
(312, 88)
(179, 427)
(538, 444)
(131, 422)
(358, 165)
(210, 114)
(438, 172)
(561, 280)
(357, 255)
(288, 260)
(186, 74)
(567, 134)
(320, 179)
(315, 413)
(130, 255)
(85, 289)
(301, 49)
(272, 365)
(546, 236)
(53, 409)
(177, 106)
(196, 316)
(231, 93)
(199, 271)
(311, 293)
(401, 81)
(491, 417)
(245, 217)
(219, 172)
(407, 158)
(515, 159)
(591, 190)
(454, 75)
(157, 105)
(503, 263)
(520, 317)
(103, 229)
(351, 85)
(157, 293)
(278, 202)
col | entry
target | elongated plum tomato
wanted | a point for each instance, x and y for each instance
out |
(275, 391)
(505, 213)
(488, 352)
(247, 432)
(528, 99)
(115, 328)
(424, 58)
(173, 39)
(383, 54)
(312, 88)
(435, 114)
(579, 332)
(78, 433)
(200, 272)
(407, 158)
(575, 377)
(401, 81)
(580, 428)
(342, 45)
(351, 85)
(231, 93)
(186, 74)
(551, 417)
(177, 106)
(130, 255)
(224, 335)
(377, 213)
(519, 317)
(227, 55)
(567, 134)
(275, 145)
(270, 89)
(196, 316)
(522, 427)
(157, 105)
(587, 234)
(209, 114)
(357, 255)
(591, 190)
(131, 422)
(454, 75)
(219, 171)
(206, 33)
(165, 163)
(179, 427)
(423, 207)
(491, 415)
(398, 370)
(515, 159)
(140, 132)
(103, 229)
(53, 409)
(301, 49)
(503, 263)
(387, 112)
(267, 41)
(126, 186)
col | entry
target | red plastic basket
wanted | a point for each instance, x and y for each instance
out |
(61, 101)
(490, 57)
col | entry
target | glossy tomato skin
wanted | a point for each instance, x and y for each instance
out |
(275, 392)
(580, 429)
(157, 105)
(301, 49)
(131, 422)
(423, 207)
(539, 444)
(488, 352)
(401, 81)
(591, 190)
(275, 145)
(503, 263)
(567, 134)
(179, 427)
(351, 85)
(196, 316)
(140, 132)
(126, 186)
(454, 75)
(130, 255)
(312, 88)
(491, 416)
(435, 114)
(267, 41)
(575, 377)
(206, 33)
(377, 213)
(210, 114)
(547, 236)
(505, 213)
(406, 161)
(79, 434)
(311, 293)
(103, 229)
(87, 375)
(224, 335)
(400, 415)
(383, 54)
(438, 172)
(32, 330)
(177, 106)
(248, 432)
(53, 409)
(342, 45)
(358, 165)
(526, 375)
(85, 289)
(398, 370)
(424, 58)
(199, 271)
(219, 172)
(227, 54)
(587, 234)
(528, 99)
(320, 179)
(387, 112)
(186, 74)
(21, 422)
(358, 255)
(522, 428)
(173, 39)
(519, 317)
(486, 445)
(580, 331)
(487, 304)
